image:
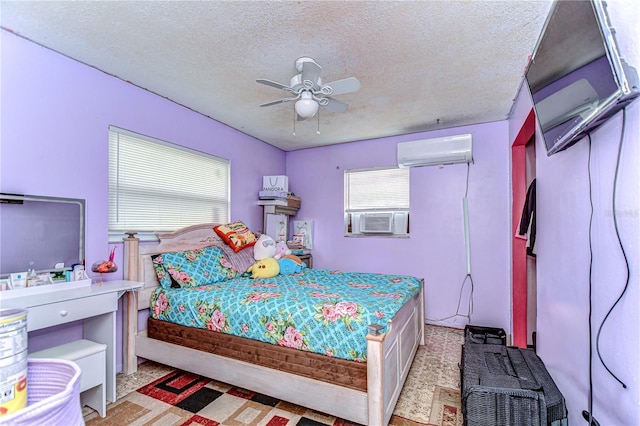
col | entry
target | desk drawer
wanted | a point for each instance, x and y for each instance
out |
(70, 310)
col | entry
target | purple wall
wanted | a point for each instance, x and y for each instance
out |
(54, 138)
(563, 261)
(435, 250)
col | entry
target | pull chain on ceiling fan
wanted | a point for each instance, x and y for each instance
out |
(310, 93)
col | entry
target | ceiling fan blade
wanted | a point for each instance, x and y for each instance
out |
(335, 105)
(338, 87)
(274, 84)
(310, 74)
(279, 101)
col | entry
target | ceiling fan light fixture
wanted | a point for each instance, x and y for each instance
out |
(308, 91)
(306, 107)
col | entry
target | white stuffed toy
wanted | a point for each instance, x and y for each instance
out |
(281, 250)
(264, 247)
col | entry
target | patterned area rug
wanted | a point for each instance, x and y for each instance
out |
(160, 395)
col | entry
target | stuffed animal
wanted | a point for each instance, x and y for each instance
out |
(281, 250)
(265, 247)
(290, 264)
(264, 268)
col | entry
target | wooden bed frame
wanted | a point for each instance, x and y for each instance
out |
(389, 355)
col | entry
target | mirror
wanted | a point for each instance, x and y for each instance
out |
(40, 232)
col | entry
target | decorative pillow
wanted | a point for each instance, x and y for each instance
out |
(264, 247)
(264, 268)
(290, 264)
(240, 261)
(236, 234)
(163, 276)
(193, 268)
(281, 250)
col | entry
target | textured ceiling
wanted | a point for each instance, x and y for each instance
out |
(422, 65)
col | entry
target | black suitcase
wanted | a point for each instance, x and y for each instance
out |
(505, 386)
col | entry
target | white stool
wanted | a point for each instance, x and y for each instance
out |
(91, 358)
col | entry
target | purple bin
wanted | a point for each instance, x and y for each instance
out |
(53, 395)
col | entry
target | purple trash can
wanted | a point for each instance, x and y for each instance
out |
(53, 395)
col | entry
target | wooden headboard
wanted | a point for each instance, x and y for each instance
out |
(139, 267)
(138, 264)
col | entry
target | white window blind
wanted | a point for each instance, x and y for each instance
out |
(158, 186)
(377, 189)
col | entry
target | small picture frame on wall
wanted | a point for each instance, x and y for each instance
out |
(276, 226)
(304, 228)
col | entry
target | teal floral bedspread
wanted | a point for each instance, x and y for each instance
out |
(321, 311)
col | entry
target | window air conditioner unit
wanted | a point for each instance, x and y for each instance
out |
(436, 151)
(376, 223)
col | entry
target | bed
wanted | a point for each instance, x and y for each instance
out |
(363, 389)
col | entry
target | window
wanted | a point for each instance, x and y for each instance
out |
(376, 202)
(156, 186)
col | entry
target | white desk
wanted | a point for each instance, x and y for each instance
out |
(95, 305)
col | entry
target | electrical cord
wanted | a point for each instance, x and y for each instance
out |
(590, 400)
(624, 254)
(470, 307)
(466, 190)
(458, 314)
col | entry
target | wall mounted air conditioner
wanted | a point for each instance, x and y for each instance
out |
(436, 151)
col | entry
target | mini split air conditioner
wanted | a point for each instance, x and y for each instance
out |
(436, 151)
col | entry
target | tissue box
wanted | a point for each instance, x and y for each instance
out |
(275, 183)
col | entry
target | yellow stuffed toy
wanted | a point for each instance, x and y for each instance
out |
(264, 268)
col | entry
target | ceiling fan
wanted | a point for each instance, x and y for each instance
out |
(310, 92)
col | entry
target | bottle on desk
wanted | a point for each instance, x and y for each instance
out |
(32, 278)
